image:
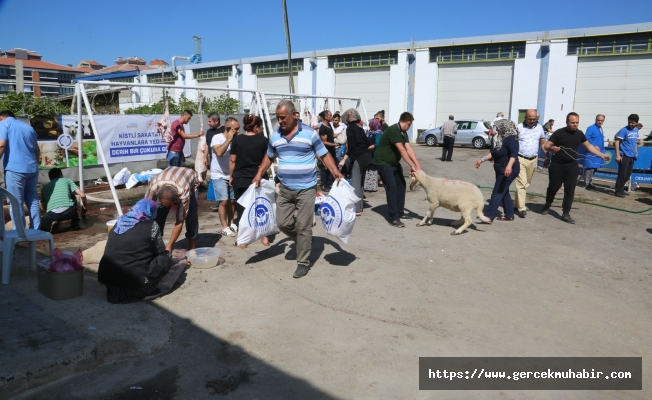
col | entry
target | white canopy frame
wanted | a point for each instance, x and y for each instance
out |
(82, 97)
(299, 97)
(295, 96)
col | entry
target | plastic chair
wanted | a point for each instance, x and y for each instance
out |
(17, 235)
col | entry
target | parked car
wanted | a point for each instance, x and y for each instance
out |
(469, 133)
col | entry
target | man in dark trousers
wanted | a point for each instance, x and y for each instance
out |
(394, 144)
(565, 143)
(626, 153)
(447, 134)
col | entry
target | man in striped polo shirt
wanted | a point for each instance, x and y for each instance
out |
(296, 146)
(176, 186)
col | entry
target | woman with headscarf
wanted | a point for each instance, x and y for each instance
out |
(357, 152)
(504, 154)
(135, 258)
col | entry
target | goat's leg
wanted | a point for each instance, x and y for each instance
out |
(466, 216)
(429, 214)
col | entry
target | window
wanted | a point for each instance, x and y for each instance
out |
(168, 77)
(615, 45)
(125, 80)
(277, 67)
(478, 52)
(64, 91)
(213, 73)
(473, 125)
(48, 75)
(363, 60)
(66, 77)
(487, 125)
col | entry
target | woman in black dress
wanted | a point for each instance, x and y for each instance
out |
(358, 146)
(135, 258)
(247, 153)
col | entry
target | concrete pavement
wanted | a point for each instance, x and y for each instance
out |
(357, 324)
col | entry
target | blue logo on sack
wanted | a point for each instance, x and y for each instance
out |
(331, 214)
(260, 215)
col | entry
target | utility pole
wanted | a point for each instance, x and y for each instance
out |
(287, 39)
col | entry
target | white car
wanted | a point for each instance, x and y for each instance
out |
(470, 132)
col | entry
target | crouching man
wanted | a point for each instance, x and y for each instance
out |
(176, 186)
(59, 201)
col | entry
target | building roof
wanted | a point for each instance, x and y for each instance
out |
(158, 63)
(121, 68)
(425, 44)
(12, 53)
(37, 64)
(130, 60)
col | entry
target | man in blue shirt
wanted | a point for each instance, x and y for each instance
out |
(20, 149)
(296, 146)
(595, 136)
(626, 153)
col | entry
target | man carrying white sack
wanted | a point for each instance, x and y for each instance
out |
(296, 146)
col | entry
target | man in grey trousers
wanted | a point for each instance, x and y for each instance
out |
(296, 147)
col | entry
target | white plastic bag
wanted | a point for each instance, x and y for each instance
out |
(259, 216)
(338, 211)
(121, 177)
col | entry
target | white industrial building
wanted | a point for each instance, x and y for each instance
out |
(605, 70)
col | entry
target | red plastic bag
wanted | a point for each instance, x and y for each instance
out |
(66, 261)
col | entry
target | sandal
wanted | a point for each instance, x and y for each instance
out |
(504, 218)
(359, 213)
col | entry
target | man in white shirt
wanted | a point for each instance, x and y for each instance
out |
(499, 116)
(530, 138)
(339, 133)
(221, 147)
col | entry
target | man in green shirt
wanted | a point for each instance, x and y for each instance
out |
(394, 145)
(59, 201)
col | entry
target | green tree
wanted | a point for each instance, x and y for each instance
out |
(223, 104)
(27, 104)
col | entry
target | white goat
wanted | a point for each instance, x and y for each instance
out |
(451, 194)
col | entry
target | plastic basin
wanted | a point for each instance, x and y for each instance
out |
(204, 257)
(111, 224)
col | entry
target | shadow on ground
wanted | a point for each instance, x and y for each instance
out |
(194, 365)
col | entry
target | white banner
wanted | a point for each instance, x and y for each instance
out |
(127, 138)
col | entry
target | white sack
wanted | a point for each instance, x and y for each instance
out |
(121, 177)
(259, 216)
(338, 211)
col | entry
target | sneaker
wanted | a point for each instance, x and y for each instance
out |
(227, 232)
(215, 208)
(567, 218)
(522, 214)
(619, 193)
(302, 270)
(405, 217)
(590, 187)
(397, 224)
(544, 210)
(233, 228)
